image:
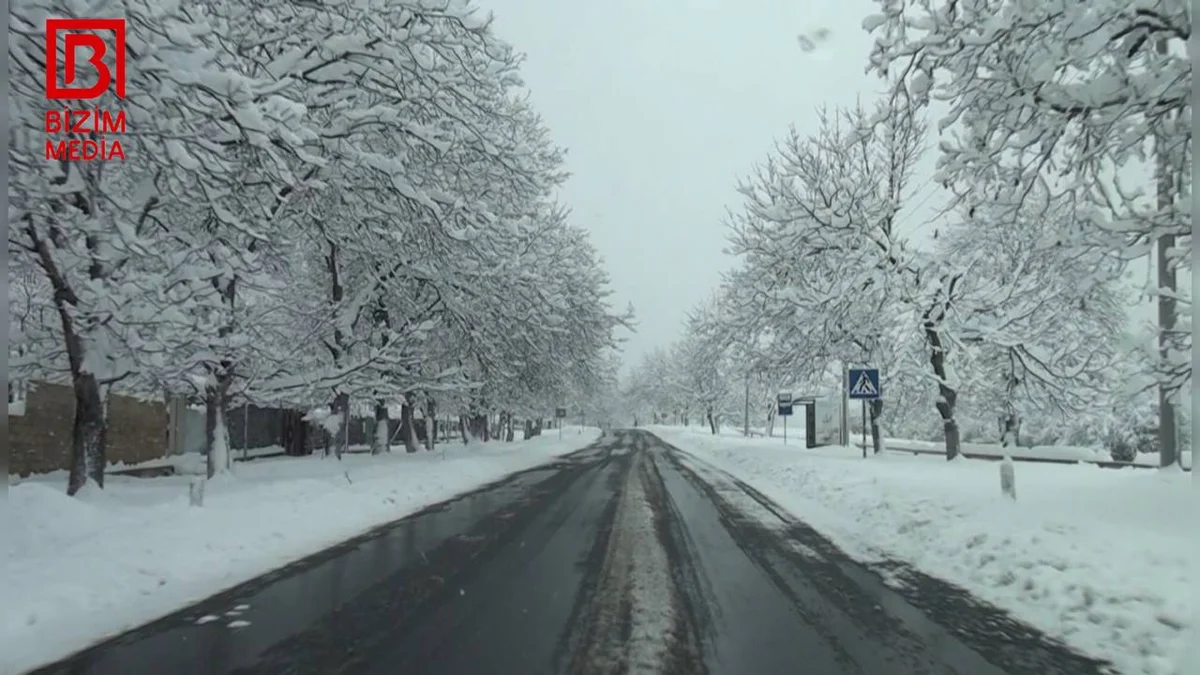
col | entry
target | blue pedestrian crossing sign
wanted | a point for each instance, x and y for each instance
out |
(864, 384)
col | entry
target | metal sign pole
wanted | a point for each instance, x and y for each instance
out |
(785, 429)
(864, 427)
(844, 407)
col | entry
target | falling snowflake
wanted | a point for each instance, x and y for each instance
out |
(809, 41)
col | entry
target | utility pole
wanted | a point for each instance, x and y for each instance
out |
(1165, 292)
(746, 423)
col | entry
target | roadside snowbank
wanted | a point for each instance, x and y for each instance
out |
(1060, 452)
(1097, 557)
(81, 569)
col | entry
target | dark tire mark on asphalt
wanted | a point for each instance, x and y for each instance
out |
(940, 614)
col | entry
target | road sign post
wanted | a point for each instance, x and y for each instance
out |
(864, 428)
(784, 399)
(863, 385)
(560, 414)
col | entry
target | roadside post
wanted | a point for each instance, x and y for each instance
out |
(560, 414)
(784, 399)
(863, 386)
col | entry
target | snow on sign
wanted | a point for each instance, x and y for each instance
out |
(864, 384)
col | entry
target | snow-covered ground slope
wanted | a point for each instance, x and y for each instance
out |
(1097, 557)
(80, 569)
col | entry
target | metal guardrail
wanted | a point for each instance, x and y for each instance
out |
(1105, 464)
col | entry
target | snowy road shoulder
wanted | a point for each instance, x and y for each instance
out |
(80, 569)
(1098, 558)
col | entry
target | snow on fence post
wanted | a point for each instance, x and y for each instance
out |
(196, 491)
(1008, 478)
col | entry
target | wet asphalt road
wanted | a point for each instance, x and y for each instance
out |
(626, 557)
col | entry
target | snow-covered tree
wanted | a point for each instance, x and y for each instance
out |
(116, 240)
(819, 239)
(1042, 322)
(337, 207)
(1084, 104)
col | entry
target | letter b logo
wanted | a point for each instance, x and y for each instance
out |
(79, 33)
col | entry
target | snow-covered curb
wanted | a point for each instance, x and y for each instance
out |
(1097, 557)
(80, 569)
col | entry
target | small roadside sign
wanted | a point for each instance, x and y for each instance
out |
(785, 403)
(560, 412)
(864, 384)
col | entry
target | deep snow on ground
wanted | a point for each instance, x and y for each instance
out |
(1097, 557)
(80, 569)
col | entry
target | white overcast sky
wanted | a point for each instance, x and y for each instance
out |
(662, 105)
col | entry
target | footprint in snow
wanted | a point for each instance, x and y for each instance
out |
(241, 608)
(238, 624)
(208, 618)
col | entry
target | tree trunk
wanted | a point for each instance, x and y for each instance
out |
(947, 397)
(1168, 313)
(496, 429)
(712, 422)
(338, 438)
(380, 443)
(1010, 433)
(89, 433)
(431, 424)
(407, 433)
(464, 428)
(479, 427)
(510, 434)
(294, 434)
(876, 408)
(89, 429)
(931, 321)
(216, 432)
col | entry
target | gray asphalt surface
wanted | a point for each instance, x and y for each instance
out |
(544, 573)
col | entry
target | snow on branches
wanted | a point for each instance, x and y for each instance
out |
(1017, 308)
(1072, 113)
(321, 203)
